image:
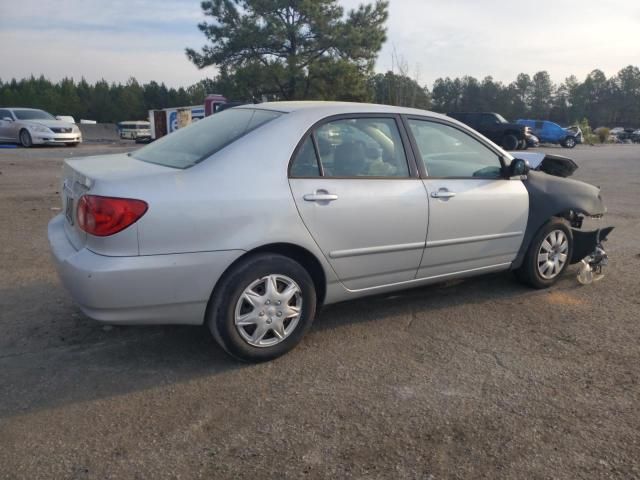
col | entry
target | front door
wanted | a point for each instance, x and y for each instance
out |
(360, 200)
(477, 218)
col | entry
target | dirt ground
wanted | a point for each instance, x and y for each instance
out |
(482, 378)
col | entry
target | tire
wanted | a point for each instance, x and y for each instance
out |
(72, 144)
(534, 271)
(569, 142)
(25, 138)
(268, 332)
(509, 142)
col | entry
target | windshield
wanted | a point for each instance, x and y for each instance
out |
(190, 145)
(33, 115)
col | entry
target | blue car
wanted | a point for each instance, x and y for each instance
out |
(549, 132)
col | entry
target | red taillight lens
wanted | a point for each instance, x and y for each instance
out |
(104, 216)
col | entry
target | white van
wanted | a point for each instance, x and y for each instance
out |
(134, 129)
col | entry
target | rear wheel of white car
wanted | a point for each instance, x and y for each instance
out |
(25, 138)
(548, 256)
(262, 307)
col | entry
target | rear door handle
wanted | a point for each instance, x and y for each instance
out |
(443, 193)
(320, 196)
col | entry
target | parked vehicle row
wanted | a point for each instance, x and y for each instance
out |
(30, 126)
(496, 128)
(550, 132)
(250, 219)
(624, 135)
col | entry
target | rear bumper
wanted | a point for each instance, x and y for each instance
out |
(152, 289)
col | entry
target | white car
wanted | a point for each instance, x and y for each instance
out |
(30, 126)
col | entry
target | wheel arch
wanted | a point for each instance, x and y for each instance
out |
(551, 196)
(295, 252)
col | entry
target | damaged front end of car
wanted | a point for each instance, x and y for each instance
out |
(552, 194)
(592, 260)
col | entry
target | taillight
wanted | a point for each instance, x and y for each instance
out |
(104, 216)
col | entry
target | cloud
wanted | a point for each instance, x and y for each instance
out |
(117, 39)
(501, 39)
(95, 39)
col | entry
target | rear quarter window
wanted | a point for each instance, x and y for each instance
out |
(190, 145)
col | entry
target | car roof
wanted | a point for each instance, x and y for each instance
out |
(329, 108)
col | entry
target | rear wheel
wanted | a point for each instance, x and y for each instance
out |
(548, 256)
(25, 139)
(262, 307)
(509, 142)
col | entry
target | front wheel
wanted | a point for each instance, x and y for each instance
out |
(262, 308)
(548, 255)
(569, 142)
(25, 139)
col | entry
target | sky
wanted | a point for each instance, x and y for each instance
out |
(117, 39)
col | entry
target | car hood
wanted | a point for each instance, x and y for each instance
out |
(48, 123)
(552, 164)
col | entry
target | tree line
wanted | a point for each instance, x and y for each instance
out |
(613, 101)
(101, 101)
(295, 50)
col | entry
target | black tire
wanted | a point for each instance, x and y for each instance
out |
(25, 138)
(569, 142)
(529, 272)
(510, 142)
(220, 316)
(72, 144)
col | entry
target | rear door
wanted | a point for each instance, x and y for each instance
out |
(477, 218)
(358, 192)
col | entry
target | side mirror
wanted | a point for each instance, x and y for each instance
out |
(8, 119)
(518, 167)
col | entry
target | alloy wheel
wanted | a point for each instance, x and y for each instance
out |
(552, 255)
(268, 310)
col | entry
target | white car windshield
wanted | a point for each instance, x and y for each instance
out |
(33, 115)
(190, 145)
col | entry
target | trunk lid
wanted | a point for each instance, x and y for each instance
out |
(95, 175)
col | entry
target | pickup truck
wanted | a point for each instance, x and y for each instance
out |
(510, 136)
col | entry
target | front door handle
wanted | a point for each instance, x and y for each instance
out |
(443, 193)
(320, 196)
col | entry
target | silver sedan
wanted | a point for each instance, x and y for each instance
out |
(253, 218)
(30, 126)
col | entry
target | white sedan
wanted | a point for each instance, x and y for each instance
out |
(252, 218)
(30, 126)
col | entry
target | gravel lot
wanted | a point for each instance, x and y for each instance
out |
(476, 379)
